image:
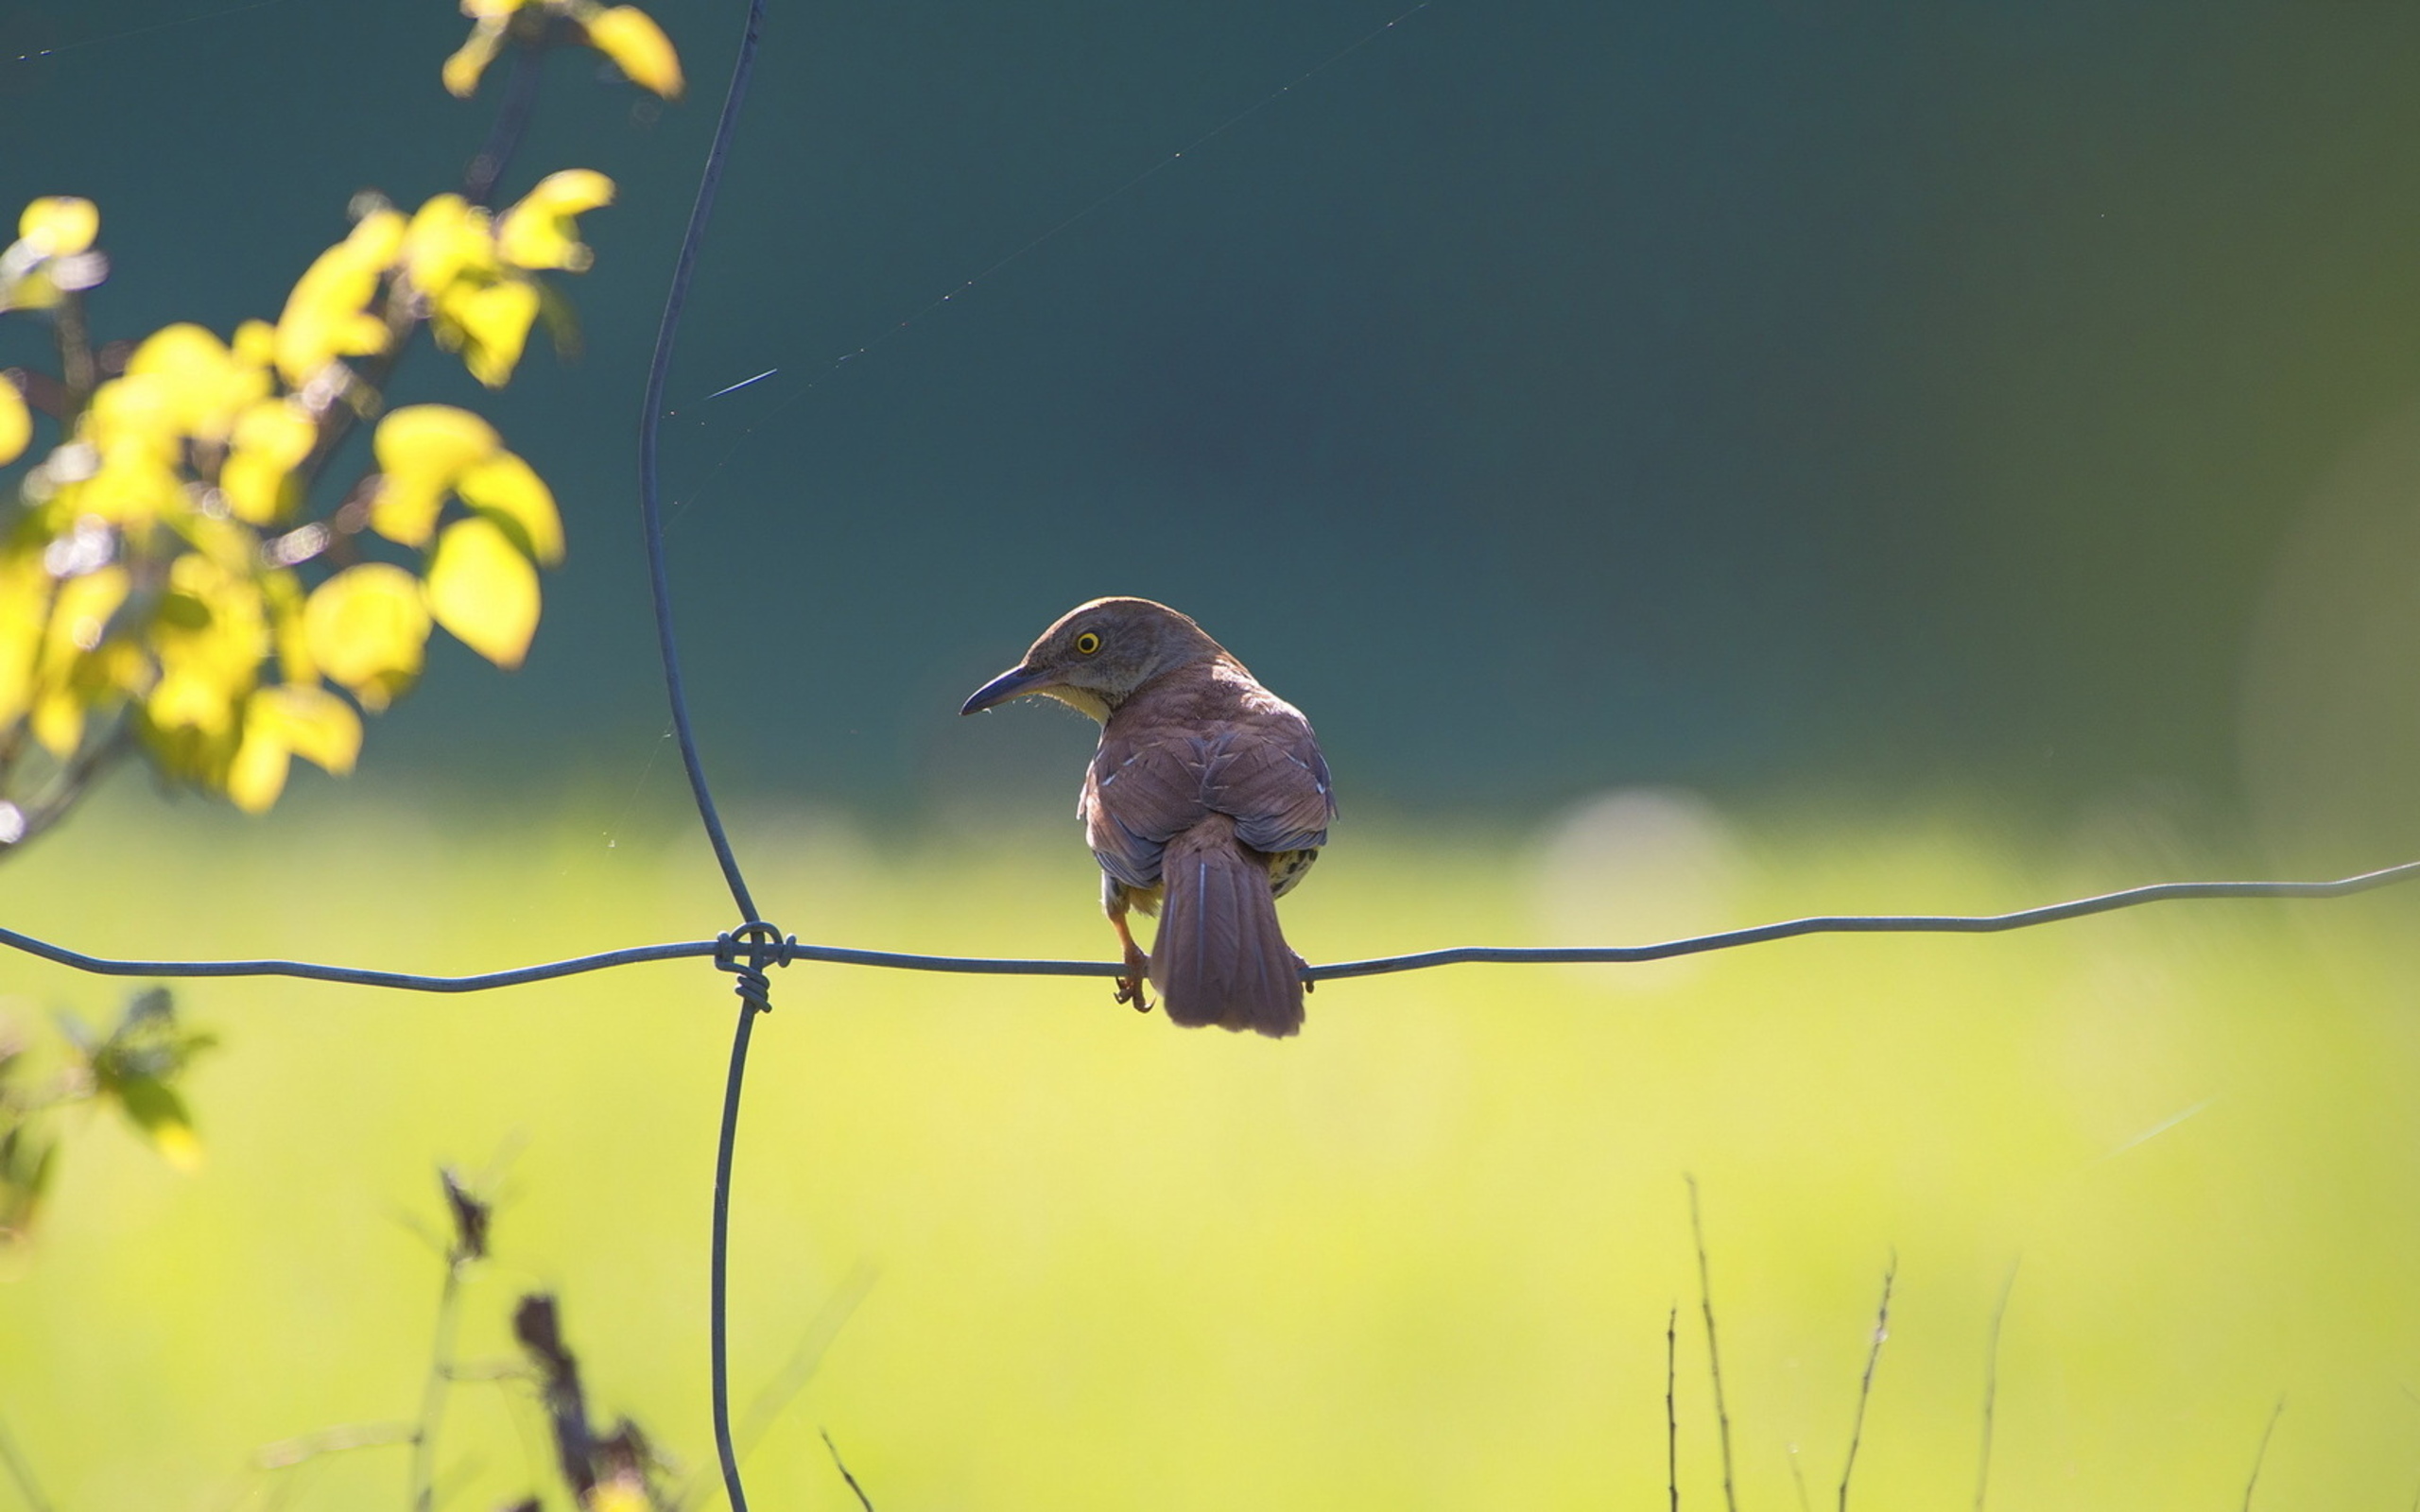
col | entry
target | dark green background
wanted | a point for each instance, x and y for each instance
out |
(1775, 398)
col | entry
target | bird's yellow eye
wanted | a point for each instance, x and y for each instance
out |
(1087, 644)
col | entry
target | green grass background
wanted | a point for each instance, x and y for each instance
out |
(1420, 1258)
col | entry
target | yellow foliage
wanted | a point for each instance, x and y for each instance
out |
(489, 324)
(638, 48)
(484, 591)
(510, 491)
(421, 450)
(287, 721)
(327, 315)
(542, 232)
(60, 225)
(367, 628)
(271, 439)
(16, 423)
(462, 70)
(197, 384)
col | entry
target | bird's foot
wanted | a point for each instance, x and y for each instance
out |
(1300, 967)
(1129, 989)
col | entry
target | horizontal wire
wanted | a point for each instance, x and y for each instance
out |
(1461, 956)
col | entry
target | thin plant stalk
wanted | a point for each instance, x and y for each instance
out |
(1713, 1353)
(1865, 1385)
(1992, 1391)
(2261, 1455)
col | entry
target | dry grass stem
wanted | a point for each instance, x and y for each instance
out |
(1865, 1385)
(1713, 1353)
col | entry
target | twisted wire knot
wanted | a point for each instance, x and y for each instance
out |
(762, 946)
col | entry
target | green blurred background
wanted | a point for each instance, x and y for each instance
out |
(1908, 459)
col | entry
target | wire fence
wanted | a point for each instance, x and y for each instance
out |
(756, 947)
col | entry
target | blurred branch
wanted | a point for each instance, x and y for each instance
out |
(843, 1468)
(470, 1215)
(21, 1473)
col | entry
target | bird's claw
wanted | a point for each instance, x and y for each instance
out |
(1129, 989)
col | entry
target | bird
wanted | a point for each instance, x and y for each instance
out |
(1206, 803)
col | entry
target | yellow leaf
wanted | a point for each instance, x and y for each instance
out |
(484, 591)
(461, 71)
(24, 605)
(60, 225)
(322, 727)
(422, 448)
(510, 489)
(290, 720)
(257, 774)
(367, 628)
(449, 238)
(638, 48)
(271, 439)
(16, 423)
(541, 231)
(59, 722)
(489, 324)
(178, 1145)
(203, 386)
(79, 616)
(326, 316)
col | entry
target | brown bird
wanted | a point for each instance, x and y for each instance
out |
(1208, 797)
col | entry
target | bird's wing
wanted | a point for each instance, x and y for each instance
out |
(1140, 793)
(1268, 772)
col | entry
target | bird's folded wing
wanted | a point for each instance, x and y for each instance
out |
(1271, 776)
(1140, 794)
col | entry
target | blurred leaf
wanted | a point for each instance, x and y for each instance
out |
(509, 491)
(542, 230)
(484, 591)
(60, 225)
(638, 48)
(367, 628)
(16, 421)
(422, 448)
(160, 1113)
(27, 1163)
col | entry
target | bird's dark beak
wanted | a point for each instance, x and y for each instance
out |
(1014, 683)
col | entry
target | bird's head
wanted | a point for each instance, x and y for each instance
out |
(1097, 654)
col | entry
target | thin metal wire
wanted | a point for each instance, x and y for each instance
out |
(789, 951)
(764, 941)
(658, 371)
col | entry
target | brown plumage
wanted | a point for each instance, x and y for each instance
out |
(1206, 803)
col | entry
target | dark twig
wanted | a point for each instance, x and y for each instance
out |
(1992, 1391)
(1798, 1478)
(1713, 1355)
(1672, 1410)
(2261, 1454)
(469, 1214)
(843, 1468)
(1865, 1385)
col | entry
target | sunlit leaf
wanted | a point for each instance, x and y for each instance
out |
(484, 591)
(489, 324)
(367, 628)
(422, 448)
(16, 423)
(449, 239)
(271, 439)
(542, 229)
(508, 491)
(322, 727)
(462, 70)
(638, 48)
(156, 1110)
(201, 384)
(60, 225)
(327, 315)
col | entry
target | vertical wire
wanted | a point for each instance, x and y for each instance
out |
(651, 508)
(652, 516)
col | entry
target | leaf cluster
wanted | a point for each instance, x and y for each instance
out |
(135, 1067)
(173, 578)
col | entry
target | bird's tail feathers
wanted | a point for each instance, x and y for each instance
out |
(1220, 957)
